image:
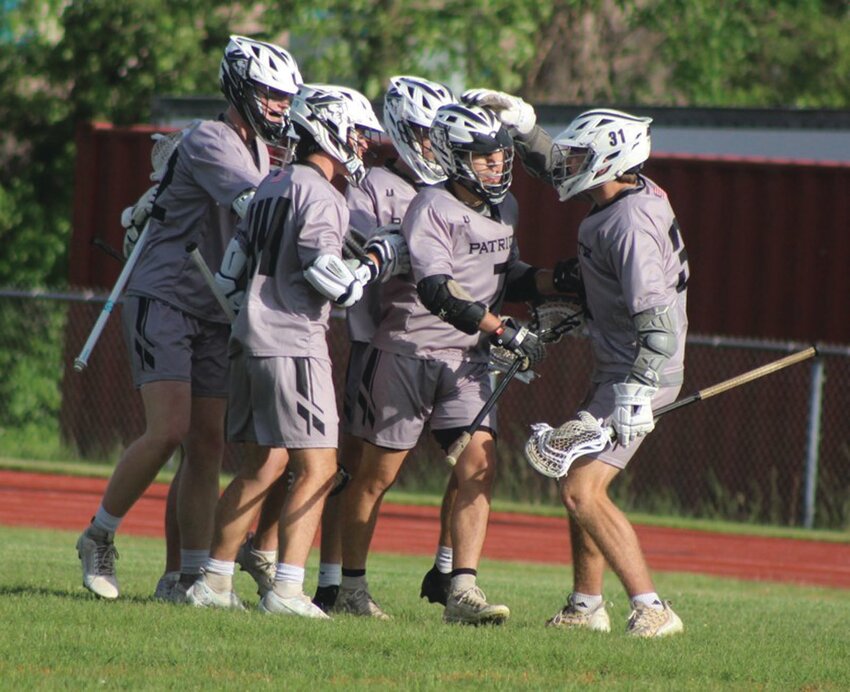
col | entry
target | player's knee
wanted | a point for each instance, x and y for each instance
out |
(578, 499)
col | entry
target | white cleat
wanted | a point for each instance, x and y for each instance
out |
(571, 617)
(648, 622)
(300, 604)
(358, 602)
(261, 569)
(97, 555)
(470, 607)
(202, 595)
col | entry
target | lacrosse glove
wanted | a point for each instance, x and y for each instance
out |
(134, 218)
(632, 411)
(389, 246)
(511, 110)
(522, 341)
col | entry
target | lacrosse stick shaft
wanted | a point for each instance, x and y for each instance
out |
(209, 279)
(743, 378)
(82, 359)
(460, 443)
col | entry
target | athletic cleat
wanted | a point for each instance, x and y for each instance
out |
(435, 586)
(470, 607)
(202, 595)
(571, 617)
(261, 569)
(165, 586)
(300, 604)
(326, 597)
(358, 602)
(647, 622)
(97, 554)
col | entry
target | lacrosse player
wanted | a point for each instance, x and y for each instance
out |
(282, 396)
(176, 331)
(377, 207)
(634, 271)
(428, 362)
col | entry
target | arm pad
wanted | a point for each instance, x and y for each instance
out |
(444, 297)
(332, 277)
(243, 199)
(656, 336)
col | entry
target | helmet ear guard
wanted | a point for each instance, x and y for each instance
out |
(459, 133)
(614, 143)
(254, 74)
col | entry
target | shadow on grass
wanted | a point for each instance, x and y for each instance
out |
(80, 595)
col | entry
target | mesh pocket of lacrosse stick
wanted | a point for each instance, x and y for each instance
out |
(551, 451)
(554, 318)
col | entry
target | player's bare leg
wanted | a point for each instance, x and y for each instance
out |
(361, 502)
(171, 575)
(475, 472)
(314, 471)
(330, 554)
(268, 525)
(436, 583)
(199, 484)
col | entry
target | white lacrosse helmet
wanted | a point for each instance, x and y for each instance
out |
(410, 105)
(332, 116)
(459, 132)
(598, 146)
(251, 73)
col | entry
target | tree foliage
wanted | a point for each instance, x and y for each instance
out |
(69, 61)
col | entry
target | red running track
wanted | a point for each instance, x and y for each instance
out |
(63, 502)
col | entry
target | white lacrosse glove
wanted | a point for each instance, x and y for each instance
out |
(390, 247)
(632, 411)
(511, 110)
(229, 278)
(134, 218)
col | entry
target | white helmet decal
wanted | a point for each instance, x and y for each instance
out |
(598, 146)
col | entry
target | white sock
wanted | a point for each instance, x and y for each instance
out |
(462, 582)
(288, 580)
(224, 567)
(650, 600)
(330, 574)
(443, 560)
(105, 521)
(191, 561)
(585, 602)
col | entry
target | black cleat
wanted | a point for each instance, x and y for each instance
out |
(435, 586)
(325, 597)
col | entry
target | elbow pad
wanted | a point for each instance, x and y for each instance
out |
(445, 298)
(656, 337)
(242, 201)
(333, 278)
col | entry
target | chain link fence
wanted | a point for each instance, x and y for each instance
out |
(776, 451)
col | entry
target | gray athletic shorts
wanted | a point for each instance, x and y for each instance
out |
(353, 377)
(282, 402)
(600, 403)
(167, 344)
(399, 394)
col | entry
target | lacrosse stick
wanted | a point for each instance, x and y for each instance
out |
(551, 451)
(163, 148)
(460, 443)
(209, 280)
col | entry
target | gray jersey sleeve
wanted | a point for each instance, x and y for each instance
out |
(535, 152)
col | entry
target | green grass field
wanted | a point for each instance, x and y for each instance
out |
(739, 635)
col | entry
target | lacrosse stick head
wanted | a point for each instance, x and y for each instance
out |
(164, 145)
(551, 451)
(554, 318)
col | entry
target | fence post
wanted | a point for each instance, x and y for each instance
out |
(813, 442)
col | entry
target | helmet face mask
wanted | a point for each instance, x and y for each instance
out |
(259, 80)
(340, 121)
(410, 105)
(597, 147)
(474, 149)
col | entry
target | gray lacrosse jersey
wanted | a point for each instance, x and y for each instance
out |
(295, 216)
(447, 237)
(632, 258)
(382, 198)
(210, 168)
